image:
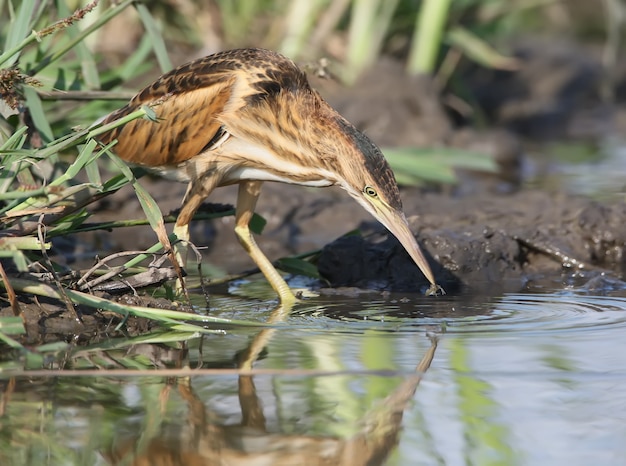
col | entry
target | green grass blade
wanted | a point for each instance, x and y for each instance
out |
(7, 340)
(158, 44)
(427, 35)
(369, 25)
(297, 266)
(85, 156)
(257, 224)
(302, 16)
(69, 45)
(71, 140)
(148, 204)
(480, 51)
(93, 172)
(160, 315)
(436, 165)
(87, 61)
(33, 102)
(19, 31)
(16, 141)
(136, 63)
(12, 325)
(13, 243)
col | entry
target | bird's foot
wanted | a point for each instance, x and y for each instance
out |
(435, 290)
(304, 293)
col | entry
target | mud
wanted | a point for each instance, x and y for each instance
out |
(47, 320)
(487, 242)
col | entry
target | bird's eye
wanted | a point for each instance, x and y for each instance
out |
(371, 192)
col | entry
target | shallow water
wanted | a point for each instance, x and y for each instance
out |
(595, 170)
(515, 379)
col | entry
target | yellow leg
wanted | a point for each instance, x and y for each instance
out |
(246, 202)
(197, 192)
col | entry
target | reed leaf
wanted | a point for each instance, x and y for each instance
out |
(414, 166)
(427, 36)
(479, 50)
(156, 39)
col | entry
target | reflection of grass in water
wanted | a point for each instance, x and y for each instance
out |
(378, 350)
(343, 398)
(554, 357)
(486, 440)
(36, 430)
(140, 408)
(333, 394)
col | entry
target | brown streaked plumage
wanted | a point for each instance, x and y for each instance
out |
(247, 116)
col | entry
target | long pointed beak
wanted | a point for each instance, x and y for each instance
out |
(397, 224)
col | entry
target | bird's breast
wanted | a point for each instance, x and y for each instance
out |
(242, 159)
(237, 160)
(261, 174)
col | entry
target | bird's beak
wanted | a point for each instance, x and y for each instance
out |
(397, 224)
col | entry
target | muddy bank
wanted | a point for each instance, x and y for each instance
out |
(475, 242)
(489, 231)
(48, 320)
(479, 242)
(486, 242)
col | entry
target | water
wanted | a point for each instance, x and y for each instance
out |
(595, 170)
(514, 379)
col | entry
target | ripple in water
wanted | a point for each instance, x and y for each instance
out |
(546, 312)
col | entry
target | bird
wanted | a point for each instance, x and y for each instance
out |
(248, 116)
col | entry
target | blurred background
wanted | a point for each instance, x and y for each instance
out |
(491, 61)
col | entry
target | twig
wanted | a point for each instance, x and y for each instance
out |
(6, 396)
(85, 95)
(155, 274)
(152, 276)
(203, 284)
(15, 305)
(171, 218)
(102, 278)
(102, 262)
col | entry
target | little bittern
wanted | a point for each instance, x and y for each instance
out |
(247, 116)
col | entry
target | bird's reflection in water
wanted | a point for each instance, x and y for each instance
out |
(204, 441)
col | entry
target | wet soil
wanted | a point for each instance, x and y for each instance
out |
(488, 233)
(486, 242)
(47, 320)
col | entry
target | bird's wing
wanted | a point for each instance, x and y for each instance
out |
(187, 102)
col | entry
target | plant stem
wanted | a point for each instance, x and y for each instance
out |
(427, 36)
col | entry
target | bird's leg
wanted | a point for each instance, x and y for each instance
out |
(197, 192)
(246, 202)
(181, 230)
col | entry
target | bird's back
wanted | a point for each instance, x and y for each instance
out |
(191, 100)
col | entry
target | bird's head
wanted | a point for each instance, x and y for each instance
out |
(365, 174)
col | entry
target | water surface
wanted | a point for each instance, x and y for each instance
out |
(519, 379)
